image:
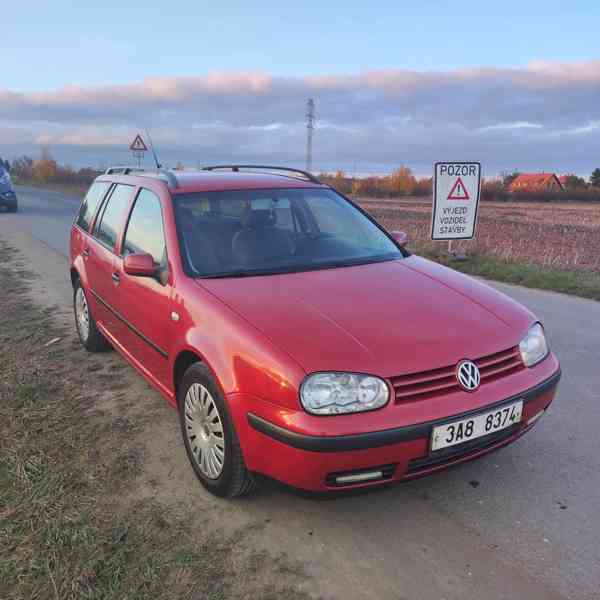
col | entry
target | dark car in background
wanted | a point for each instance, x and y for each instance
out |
(8, 198)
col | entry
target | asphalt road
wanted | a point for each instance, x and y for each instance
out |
(521, 523)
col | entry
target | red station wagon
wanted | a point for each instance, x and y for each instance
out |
(296, 337)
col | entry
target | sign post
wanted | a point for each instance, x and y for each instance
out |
(456, 188)
(138, 147)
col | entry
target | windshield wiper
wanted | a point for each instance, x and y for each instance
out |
(299, 268)
(239, 273)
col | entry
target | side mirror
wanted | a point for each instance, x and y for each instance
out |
(141, 265)
(400, 237)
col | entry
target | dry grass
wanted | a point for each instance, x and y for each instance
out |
(71, 526)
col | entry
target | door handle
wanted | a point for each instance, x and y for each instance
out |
(115, 277)
(86, 252)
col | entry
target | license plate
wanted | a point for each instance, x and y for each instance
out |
(476, 426)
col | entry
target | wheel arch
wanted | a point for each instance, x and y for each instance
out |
(78, 273)
(75, 277)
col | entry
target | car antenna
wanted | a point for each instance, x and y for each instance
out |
(158, 165)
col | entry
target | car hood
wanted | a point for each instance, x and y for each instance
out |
(387, 318)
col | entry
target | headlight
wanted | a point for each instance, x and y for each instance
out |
(342, 393)
(533, 346)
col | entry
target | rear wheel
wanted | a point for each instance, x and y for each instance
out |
(89, 335)
(209, 437)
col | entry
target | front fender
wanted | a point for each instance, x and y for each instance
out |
(242, 361)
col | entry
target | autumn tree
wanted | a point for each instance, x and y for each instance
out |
(22, 167)
(402, 181)
(341, 182)
(424, 187)
(508, 178)
(572, 182)
(45, 170)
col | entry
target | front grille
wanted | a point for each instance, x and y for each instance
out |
(430, 384)
(446, 455)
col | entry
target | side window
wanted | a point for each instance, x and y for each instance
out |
(90, 203)
(115, 209)
(145, 233)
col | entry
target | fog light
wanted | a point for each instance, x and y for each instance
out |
(359, 477)
(535, 417)
(371, 474)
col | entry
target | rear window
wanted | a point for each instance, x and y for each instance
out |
(107, 230)
(91, 203)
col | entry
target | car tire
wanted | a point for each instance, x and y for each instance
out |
(13, 209)
(89, 334)
(209, 436)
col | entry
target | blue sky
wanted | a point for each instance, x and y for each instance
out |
(515, 84)
(122, 41)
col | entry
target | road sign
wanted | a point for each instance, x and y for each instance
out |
(138, 144)
(138, 147)
(456, 188)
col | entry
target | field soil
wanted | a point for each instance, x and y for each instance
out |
(562, 236)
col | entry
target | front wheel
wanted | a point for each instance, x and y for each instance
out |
(209, 437)
(89, 334)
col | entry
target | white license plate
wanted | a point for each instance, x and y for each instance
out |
(476, 426)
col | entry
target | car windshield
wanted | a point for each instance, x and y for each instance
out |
(259, 232)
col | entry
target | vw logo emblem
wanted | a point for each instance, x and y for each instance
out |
(468, 375)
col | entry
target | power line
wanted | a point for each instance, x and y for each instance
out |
(310, 125)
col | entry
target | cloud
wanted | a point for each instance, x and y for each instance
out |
(525, 115)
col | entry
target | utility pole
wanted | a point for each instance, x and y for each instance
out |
(310, 125)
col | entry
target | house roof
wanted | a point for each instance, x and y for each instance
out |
(533, 180)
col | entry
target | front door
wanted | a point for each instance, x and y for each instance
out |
(145, 302)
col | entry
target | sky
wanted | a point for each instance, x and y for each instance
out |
(513, 84)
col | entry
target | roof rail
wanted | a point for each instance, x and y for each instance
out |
(164, 174)
(236, 168)
(123, 170)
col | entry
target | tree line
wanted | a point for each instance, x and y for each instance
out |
(401, 182)
(46, 170)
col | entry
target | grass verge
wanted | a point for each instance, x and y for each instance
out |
(582, 283)
(70, 526)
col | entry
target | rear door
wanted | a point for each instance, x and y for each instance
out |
(80, 232)
(103, 280)
(145, 302)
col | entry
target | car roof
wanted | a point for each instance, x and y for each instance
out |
(185, 182)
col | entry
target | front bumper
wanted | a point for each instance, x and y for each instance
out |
(8, 199)
(312, 462)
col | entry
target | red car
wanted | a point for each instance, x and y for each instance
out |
(296, 337)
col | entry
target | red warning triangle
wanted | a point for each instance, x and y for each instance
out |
(458, 191)
(138, 144)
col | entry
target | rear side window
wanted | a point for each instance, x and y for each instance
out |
(115, 209)
(90, 203)
(145, 233)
